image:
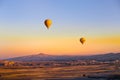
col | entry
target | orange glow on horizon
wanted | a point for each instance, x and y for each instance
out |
(62, 46)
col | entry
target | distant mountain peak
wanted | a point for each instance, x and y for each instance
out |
(42, 54)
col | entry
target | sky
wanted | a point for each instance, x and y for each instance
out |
(22, 29)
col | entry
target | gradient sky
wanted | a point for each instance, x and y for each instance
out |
(22, 29)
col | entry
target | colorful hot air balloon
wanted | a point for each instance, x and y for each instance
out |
(48, 23)
(82, 40)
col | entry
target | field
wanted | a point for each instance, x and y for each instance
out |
(80, 72)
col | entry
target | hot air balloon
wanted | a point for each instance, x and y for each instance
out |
(48, 23)
(82, 40)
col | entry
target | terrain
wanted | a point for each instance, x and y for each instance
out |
(89, 72)
(65, 67)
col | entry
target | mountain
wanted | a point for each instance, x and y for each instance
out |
(46, 57)
(105, 57)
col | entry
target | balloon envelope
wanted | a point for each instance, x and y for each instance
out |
(82, 40)
(48, 23)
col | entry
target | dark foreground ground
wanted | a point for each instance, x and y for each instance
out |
(83, 72)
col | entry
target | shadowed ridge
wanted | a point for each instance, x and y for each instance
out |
(46, 57)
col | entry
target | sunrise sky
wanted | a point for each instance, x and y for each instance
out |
(22, 29)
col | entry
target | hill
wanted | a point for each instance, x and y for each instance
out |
(46, 57)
